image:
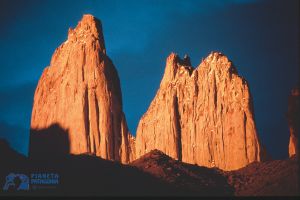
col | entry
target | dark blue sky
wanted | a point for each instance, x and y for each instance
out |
(260, 37)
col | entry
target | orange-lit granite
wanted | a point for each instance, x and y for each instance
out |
(80, 91)
(293, 120)
(201, 116)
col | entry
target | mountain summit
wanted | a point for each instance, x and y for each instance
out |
(201, 116)
(80, 91)
(88, 29)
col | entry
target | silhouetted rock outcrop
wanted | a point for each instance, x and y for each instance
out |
(270, 178)
(85, 175)
(51, 142)
(9, 156)
(193, 179)
(154, 174)
(203, 116)
(80, 91)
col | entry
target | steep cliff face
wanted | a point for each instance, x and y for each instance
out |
(293, 120)
(80, 91)
(201, 116)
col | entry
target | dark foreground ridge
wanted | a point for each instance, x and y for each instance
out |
(275, 178)
(154, 174)
(200, 180)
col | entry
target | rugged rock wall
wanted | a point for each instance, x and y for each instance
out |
(80, 91)
(202, 116)
(294, 120)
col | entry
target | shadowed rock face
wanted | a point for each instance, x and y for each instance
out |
(293, 120)
(80, 91)
(80, 175)
(201, 116)
(48, 143)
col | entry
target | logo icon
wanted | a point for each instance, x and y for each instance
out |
(16, 182)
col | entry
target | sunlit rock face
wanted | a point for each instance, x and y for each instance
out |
(80, 91)
(293, 120)
(201, 116)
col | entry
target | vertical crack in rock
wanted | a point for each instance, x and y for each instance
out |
(83, 65)
(112, 136)
(245, 132)
(223, 159)
(87, 119)
(178, 128)
(215, 90)
(97, 109)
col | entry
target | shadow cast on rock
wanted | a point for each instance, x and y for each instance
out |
(49, 143)
(81, 175)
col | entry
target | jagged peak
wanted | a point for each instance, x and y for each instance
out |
(89, 27)
(175, 64)
(89, 24)
(218, 61)
(174, 58)
(215, 57)
(88, 32)
(214, 61)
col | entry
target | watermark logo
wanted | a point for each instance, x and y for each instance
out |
(16, 182)
(22, 182)
(44, 180)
